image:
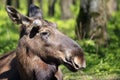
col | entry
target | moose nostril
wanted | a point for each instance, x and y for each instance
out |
(76, 63)
(79, 63)
(77, 66)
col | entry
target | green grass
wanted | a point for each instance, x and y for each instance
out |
(102, 62)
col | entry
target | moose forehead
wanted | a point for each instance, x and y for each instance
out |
(41, 23)
(37, 22)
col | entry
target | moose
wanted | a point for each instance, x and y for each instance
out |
(41, 49)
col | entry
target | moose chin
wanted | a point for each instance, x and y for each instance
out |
(41, 49)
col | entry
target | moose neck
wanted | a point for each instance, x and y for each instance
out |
(29, 64)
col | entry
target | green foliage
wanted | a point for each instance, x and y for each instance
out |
(8, 33)
(102, 62)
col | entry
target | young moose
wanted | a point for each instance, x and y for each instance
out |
(41, 49)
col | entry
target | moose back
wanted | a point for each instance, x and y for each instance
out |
(40, 51)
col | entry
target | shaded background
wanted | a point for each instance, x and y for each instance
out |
(94, 24)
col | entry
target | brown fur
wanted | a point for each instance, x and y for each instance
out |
(8, 68)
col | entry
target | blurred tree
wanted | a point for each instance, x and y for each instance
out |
(112, 6)
(9, 2)
(91, 21)
(65, 8)
(74, 2)
(51, 6)
(15, 3)
(41, 2)
(29, 3)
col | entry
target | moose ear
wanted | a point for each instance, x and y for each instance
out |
(35, 11)
(53, 24)
(16, 16)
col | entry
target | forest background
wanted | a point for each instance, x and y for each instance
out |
(102, 51)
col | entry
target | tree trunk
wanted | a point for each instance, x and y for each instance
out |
(51, 7)
(82, 20)
(9, 2)
(65, 8)
(41, 2)
(16, 3)
(112, 6)
(91, 21)
(74, 2)
(29, 3)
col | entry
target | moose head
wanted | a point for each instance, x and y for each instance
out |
(43, 39)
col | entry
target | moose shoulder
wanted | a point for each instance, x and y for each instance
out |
(40, 51)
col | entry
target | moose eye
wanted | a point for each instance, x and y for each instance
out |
(44, 34)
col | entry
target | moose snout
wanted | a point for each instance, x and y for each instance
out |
(79, 63)
(75, 63)
(75, 59)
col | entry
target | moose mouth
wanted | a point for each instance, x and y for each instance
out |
(71, 65)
